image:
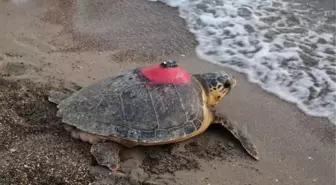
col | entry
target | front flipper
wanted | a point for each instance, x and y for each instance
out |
(106, 154)
(242, 135)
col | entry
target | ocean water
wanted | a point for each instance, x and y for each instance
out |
(287, 48)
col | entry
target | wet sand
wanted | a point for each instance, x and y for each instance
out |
(49, 44)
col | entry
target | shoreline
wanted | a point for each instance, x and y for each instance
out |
(280, 72)
(295, 148)
(297, 103)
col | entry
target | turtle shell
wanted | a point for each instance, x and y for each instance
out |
(131, 107)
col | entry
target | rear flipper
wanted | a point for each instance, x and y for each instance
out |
(57, 96)
(107, 154)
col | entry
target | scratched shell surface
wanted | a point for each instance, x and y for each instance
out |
(126, 106)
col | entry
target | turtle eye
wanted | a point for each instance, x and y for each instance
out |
(227, 84)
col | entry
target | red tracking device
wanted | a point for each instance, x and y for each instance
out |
(166, 72)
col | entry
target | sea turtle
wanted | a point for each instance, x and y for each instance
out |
(152, 105)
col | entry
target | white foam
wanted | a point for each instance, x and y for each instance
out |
(280, 46)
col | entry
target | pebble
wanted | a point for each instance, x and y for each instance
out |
(13, 150)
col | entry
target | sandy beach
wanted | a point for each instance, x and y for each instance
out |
(49, 44)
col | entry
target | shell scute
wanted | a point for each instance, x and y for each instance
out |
(189, 128)
(161, 134)
(136, 105)
(147, 135)
(176, 133)
(167, 105)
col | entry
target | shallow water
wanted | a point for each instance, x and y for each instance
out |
(288, 48)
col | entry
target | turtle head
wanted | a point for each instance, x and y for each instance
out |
(219, 84)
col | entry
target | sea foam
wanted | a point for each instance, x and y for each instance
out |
(287, 48)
